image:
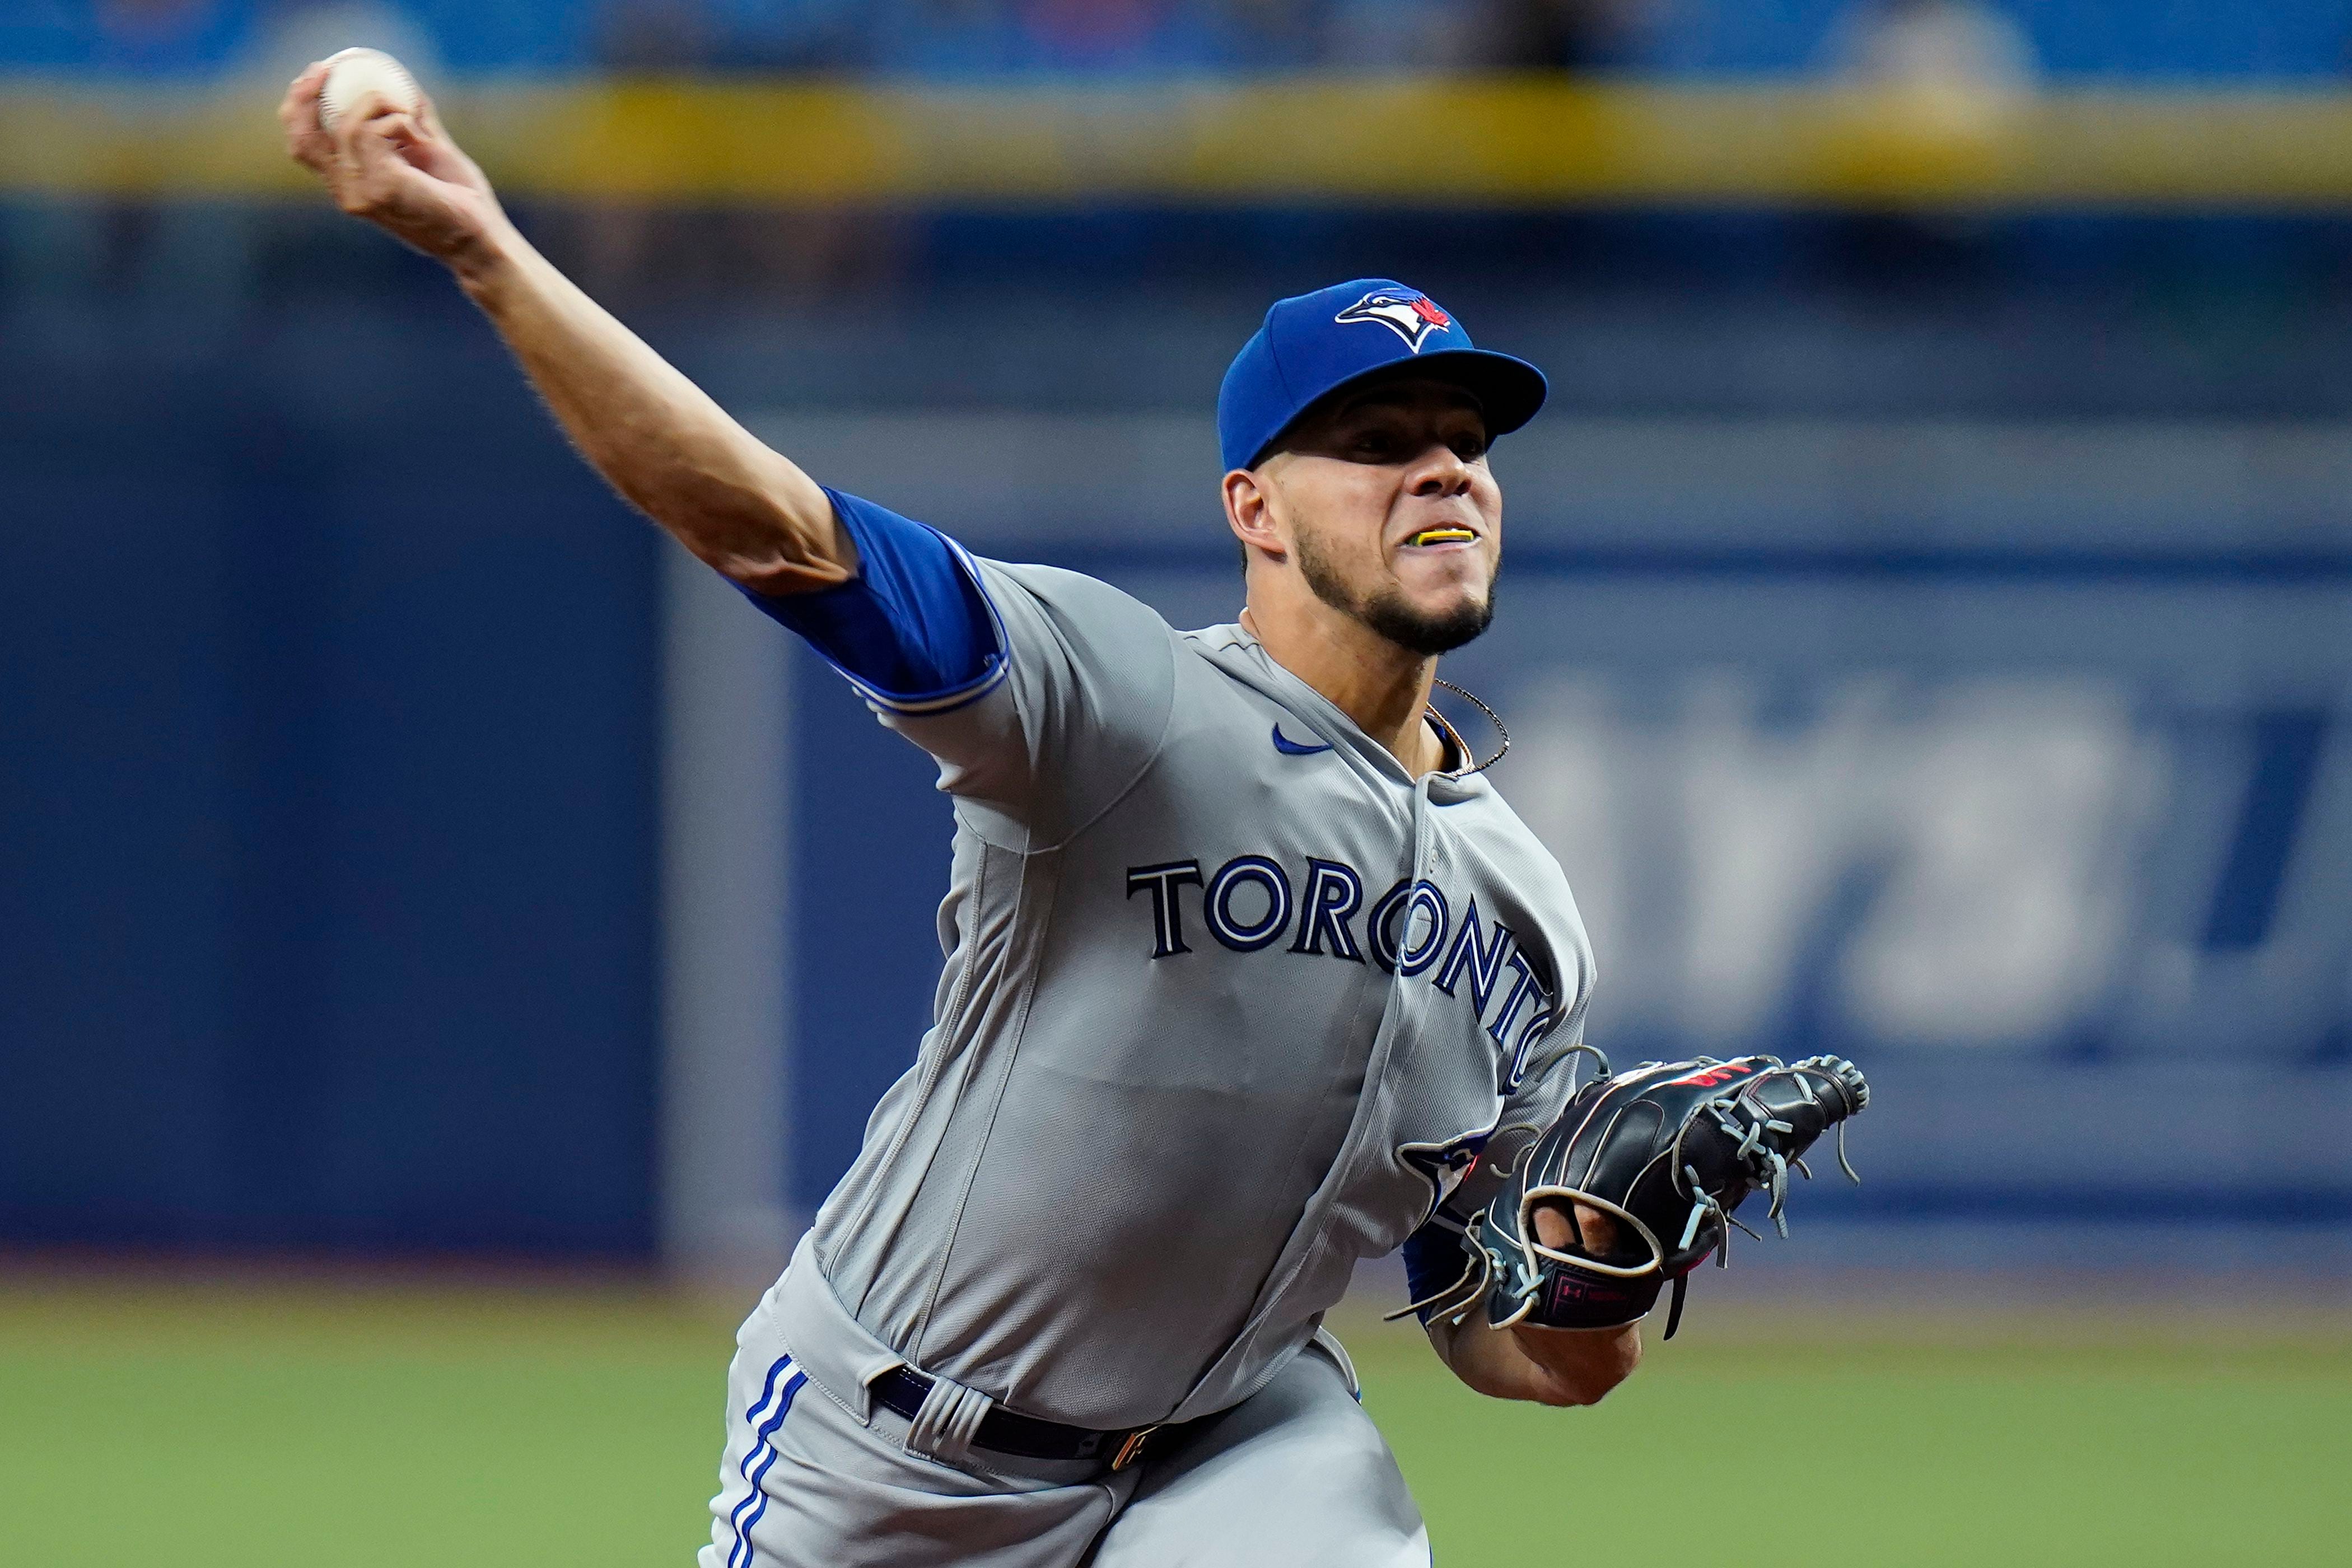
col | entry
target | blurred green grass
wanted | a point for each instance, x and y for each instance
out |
(257, 1424)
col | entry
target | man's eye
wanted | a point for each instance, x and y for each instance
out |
(1469, 448)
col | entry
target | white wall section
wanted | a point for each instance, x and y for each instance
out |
(726, 977)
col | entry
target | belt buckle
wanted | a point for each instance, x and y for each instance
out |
(1132, 1448)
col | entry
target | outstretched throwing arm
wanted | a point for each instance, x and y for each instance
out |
(660, 440)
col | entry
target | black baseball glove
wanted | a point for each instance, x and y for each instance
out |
(1658, 1159)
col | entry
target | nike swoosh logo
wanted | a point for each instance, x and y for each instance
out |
(1290, 748)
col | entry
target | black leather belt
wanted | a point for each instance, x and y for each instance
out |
(903, 1390)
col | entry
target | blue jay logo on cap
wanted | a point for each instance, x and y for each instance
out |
(1410, 316)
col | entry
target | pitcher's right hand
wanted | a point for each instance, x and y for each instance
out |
(398, 170)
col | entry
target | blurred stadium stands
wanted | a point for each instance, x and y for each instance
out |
(962, 38)
(1928, 626)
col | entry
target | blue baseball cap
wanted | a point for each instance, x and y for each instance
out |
(1313, 345)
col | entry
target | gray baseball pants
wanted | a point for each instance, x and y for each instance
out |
(817, 1475)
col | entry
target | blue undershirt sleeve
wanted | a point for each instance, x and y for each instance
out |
(912, 631)
(1434, 1257)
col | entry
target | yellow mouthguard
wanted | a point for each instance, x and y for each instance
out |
(1442, 535)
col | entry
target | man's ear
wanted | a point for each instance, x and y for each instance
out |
(1249, 512)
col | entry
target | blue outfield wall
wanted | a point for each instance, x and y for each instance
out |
(327, 761)
(2010, 758)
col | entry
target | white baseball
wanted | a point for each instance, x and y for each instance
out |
(354, 72)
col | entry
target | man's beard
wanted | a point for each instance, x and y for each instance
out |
(1386, 612)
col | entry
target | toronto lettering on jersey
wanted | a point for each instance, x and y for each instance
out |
(1250, 903)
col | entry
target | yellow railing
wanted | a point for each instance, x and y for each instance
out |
(1420, 142)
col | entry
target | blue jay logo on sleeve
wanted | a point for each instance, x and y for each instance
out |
(1413, 316)
(1444, 1164)
(1290, 748)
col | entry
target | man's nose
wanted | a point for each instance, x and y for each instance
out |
(1439, 471)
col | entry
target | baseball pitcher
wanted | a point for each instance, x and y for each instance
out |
(1251, 973)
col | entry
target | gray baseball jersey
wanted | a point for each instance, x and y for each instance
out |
(1230, 1003)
